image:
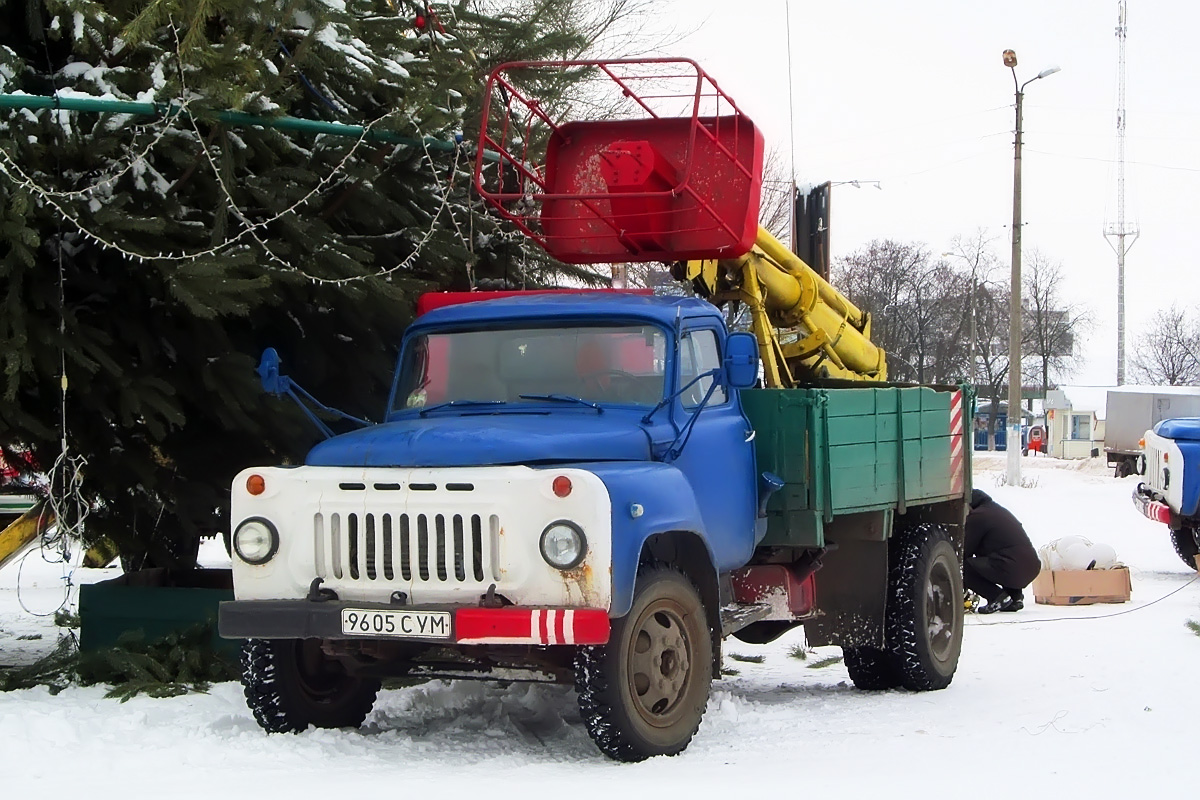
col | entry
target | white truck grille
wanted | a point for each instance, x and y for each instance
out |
(1154, 466)
(413, 548)
(437, 535)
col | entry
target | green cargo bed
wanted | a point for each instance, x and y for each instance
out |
(844, 451)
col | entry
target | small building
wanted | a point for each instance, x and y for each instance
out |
(1075, 421)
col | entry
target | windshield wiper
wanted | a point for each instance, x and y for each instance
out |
(712, 373)
(563, 398)
(454, 403)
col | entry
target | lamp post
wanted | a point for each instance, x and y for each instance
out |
(1013, 439)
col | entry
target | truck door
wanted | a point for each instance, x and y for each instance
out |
(718, 459)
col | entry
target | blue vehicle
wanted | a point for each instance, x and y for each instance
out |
(587, 488)
(569, 486)
(1170, 493)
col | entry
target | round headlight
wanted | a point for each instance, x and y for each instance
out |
(256, 541)
(563, 545)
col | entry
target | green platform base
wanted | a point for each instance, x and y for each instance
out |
(156, 602)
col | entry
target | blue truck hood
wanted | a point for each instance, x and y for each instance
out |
(441, 440)
(1181, 428)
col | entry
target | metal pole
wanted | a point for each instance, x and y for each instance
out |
(237, 118)
(1121, 230)
(1013, 441)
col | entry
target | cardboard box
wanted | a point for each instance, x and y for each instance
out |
(1080, 587)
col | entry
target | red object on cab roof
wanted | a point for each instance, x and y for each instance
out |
(431, 300)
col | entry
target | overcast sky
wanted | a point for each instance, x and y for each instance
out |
(915, 95)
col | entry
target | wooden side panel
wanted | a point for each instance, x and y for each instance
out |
(851, 450)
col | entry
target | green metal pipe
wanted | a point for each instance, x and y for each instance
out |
(241, 119)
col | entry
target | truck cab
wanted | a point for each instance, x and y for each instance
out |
(530, 447)
(536, 455)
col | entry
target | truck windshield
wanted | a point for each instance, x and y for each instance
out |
(612, 365)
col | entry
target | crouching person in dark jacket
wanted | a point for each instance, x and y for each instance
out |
(999, 559)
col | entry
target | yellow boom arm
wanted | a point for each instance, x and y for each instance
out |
(806, 329)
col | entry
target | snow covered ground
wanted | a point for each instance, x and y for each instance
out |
(1087, 702)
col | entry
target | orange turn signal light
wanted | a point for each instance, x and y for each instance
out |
(256, 485)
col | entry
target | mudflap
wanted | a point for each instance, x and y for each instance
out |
(851, 597)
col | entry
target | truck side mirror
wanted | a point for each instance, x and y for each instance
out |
(741, 360)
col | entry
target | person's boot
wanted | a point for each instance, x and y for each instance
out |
(998, 604)
(1016, 600)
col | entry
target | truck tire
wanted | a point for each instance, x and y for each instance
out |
(924, 623)
(1187, 545)
(290, 684)
(871, 668)
(644, 693)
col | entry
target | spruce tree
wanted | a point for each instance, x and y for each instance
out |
(150, 260)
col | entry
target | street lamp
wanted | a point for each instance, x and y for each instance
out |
(1013, 441)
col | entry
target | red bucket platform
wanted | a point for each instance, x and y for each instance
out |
(673, 172)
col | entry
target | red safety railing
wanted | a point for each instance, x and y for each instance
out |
(667, 168)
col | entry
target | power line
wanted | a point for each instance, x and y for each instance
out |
(1173, 167)
(1121, 613)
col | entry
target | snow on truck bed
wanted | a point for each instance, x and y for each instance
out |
(1091, 701)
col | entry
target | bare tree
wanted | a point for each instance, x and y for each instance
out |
(978, 261)
(778, 197)
(915, 305)
(1168, 352)
(991, 316)
(877, 279)
(1052, 327)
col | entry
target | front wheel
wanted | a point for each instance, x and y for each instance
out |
(1187, 545)
(924, 624)
(291, 684)
(644, 693)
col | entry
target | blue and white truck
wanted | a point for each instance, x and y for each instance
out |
(588, 488)
(1170, 493)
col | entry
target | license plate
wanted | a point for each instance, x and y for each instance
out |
(404, 624)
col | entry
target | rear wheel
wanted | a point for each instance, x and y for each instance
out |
(290, 684)
(924, 624)
(644, 693)
(1187, 545)
(870, 668)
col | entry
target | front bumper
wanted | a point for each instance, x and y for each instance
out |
(1151, 508)
(307, 619)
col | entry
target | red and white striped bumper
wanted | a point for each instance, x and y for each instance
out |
(1151, 509)
(305, 619)
(512, 625)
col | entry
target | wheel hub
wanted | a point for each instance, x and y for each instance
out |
(939, 612)
(658, 665)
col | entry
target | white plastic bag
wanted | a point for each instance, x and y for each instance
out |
(1076, 552)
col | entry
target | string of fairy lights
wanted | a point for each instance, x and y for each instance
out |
(66, 508)
(249, 228)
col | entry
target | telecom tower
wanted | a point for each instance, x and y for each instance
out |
(1121, 230)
